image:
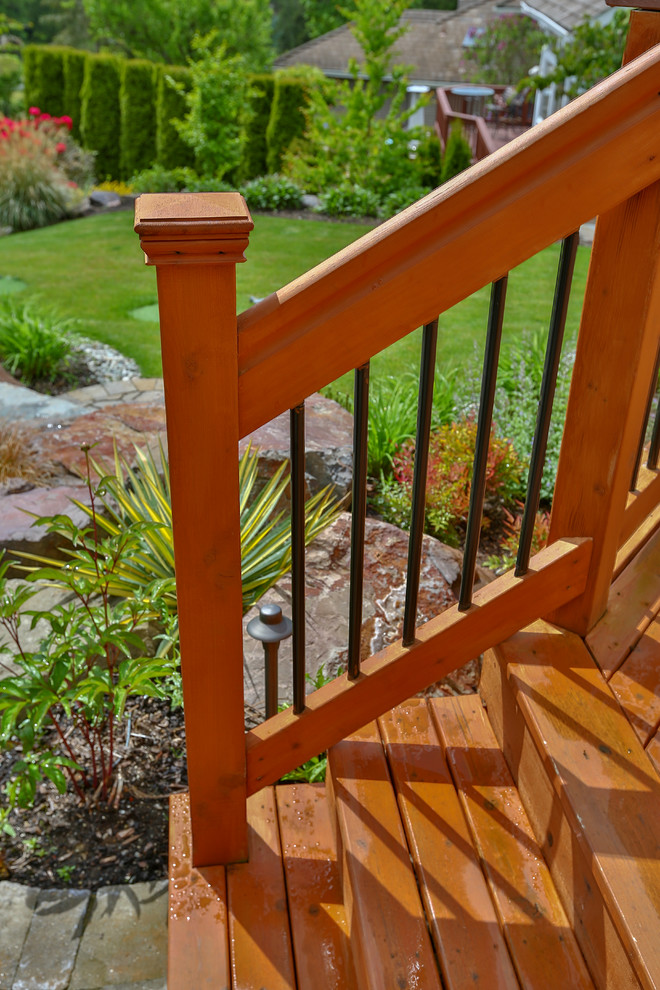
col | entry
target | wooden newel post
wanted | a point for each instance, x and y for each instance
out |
(617, 345)
(195, 241)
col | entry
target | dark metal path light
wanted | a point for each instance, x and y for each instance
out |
(270, 627)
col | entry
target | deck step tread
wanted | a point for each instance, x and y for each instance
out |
(198, 951)
(259, 932)
(462, 919)
(389, 937)
(636, 684)
(607, 785)
(318, 918)
(633, 603)
(542, 945)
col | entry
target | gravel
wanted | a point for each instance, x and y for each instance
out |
(104, 362)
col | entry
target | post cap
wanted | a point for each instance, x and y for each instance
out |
(197, 228)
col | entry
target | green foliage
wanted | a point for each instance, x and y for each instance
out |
(349, 201)
(74, 73)
(141, 499)
(256, 117)
(33, 347)
(211, 127)
(287, 119)
(11, 74)
(78, 678)
(172, 85)
(321, 16)
(507, 49)
(137, 98)
(593, 52)
(508, 545)
(458, 153)
(272, 192)
(428, 158)
(100, 115)
(400, 199)
(289, 29)
(44, 78)
(363, 143)
(164, 30)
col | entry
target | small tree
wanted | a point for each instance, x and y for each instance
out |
(594, 52)
(458, 153)
(216, 102)
(355, 134)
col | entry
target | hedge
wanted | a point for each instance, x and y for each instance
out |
(100, 121)
(287, 120)
(137, 98)
(43, 74)
(171, 152)
(74, 73)
(255, 147)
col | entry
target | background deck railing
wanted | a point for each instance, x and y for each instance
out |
(598, 156)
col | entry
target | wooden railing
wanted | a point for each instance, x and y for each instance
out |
(476, 129)
(598, 156)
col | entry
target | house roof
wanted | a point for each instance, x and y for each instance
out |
(433, 43)
(568, 13)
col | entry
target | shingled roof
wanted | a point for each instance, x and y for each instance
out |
(569, 13)
(432, 45)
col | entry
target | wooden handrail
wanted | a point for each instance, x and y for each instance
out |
(586, 158)
(446, 642)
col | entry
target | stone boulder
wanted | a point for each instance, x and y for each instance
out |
(327, 602)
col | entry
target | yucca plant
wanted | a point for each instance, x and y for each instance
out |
(140, 498)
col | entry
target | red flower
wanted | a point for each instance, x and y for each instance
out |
(34, 111)
(66, 120)
(60, 147)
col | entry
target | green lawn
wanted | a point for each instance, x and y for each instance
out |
(93, 270)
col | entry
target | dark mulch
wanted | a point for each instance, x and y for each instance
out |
(58, 843)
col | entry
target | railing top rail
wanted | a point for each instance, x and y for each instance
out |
(596, 152)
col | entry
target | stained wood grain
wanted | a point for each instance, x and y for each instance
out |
(259, 932)
(388, 678)
(540, 940)
(633, 602)
(636, 684)
(389, 938)
(608, 788)
(464, 927)
(636, 541)
(318, 919)
(197, 945)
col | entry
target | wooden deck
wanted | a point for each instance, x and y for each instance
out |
(455, 845)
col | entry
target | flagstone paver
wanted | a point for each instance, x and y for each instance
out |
(51, 946)
(17, 904)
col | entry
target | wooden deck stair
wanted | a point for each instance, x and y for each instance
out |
(420, 863)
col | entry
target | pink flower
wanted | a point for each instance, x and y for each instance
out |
(60, 147)
(66, 120)
(34, 111)
(45, 116)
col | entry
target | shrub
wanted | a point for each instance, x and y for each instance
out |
(508, 547)
(44, 77)
(451, 456)
(173, 82)
(33, 185)
(350, 201)
(458, 153)
(137, 97)
(10, 77)
(32, 347)
(255, 124)
(272, 192)
(287, 119)
(428, 158)
(74, 73)
(158, 179)
(399, 200)
(100, 115)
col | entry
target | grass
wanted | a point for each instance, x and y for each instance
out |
(92, 270)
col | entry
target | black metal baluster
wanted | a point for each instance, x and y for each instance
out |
(424, 410)
(550, 368)
(654, 448)
(298, 554)
(358, 515)
(488, 382)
